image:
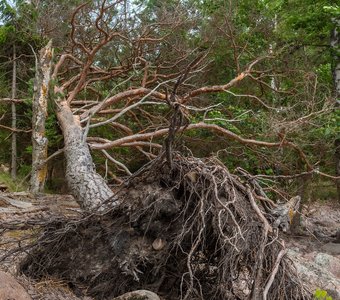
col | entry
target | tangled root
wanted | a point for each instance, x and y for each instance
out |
(192, 232)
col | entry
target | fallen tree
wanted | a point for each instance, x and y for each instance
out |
(194, 231)
(126, 77)
(182, 227)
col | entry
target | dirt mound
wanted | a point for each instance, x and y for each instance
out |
(190, 232)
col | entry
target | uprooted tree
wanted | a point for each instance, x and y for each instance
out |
(180, 221)
(145, 70)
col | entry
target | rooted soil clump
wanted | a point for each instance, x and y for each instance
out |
(192, 232)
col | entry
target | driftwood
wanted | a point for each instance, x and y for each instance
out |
(194, 231)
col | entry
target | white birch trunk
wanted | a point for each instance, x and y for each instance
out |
(39, 140)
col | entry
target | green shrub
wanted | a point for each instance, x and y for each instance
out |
(322, 295)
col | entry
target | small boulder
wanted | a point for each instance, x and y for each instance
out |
(331, 248)
(318, 270)
(139, 294)
(11, 289)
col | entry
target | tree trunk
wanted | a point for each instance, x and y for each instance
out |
(14, 117)
(39, 140)
(337, 164)
(335, 46)
(85, 184)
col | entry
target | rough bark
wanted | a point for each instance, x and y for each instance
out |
(39, 140)
(14, 117)
(337, 164)
(335, 45)
(85, 184)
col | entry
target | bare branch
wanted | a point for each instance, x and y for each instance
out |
(10, 100)
(281, 254)
(116, 162)
(14, 129)
(221, 88)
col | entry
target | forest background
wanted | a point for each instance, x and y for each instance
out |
(290, 96)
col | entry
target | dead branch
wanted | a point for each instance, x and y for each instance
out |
(14, 129)
(281, 254)
(116, 162)
(10, 100)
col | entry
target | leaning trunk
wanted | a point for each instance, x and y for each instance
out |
(86, 185)
(39, 140)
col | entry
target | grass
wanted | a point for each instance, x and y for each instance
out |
(323, 191)
(17, 185)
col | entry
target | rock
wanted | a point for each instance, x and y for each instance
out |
(11, 289)
(138, 295)
(318, 270)
(158, 244)
(331, 248)
(330, 263)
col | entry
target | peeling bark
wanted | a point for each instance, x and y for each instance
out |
(39, 140)
(85, 184)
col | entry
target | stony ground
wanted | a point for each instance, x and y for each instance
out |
(315, 252)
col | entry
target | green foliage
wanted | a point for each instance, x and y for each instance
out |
(29, 149)
(53, 132)
(324, 72)
(235, 33)
(322, 295)
(306, 20)
(6, 32)
(7, 12)
(333, 10)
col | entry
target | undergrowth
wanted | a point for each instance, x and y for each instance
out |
(16, 185)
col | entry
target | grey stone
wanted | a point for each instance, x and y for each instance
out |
(318, 270)
(331, 248)
(11, 289)
(139, 294)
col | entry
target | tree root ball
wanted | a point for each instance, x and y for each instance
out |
(189, 232)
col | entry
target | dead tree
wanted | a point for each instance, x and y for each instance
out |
(40, 100)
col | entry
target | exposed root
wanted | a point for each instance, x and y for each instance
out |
(192, 232)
